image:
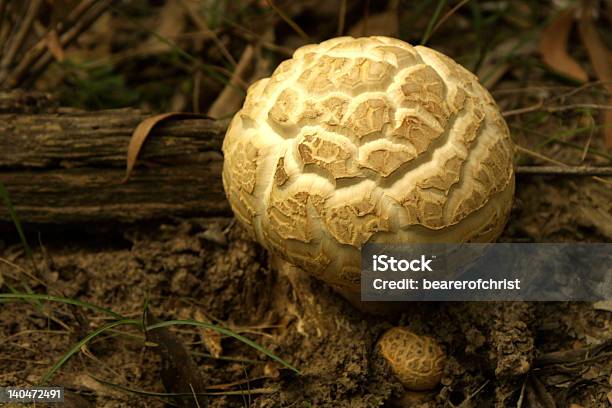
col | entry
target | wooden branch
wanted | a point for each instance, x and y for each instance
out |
(566, 170)
(66, 167)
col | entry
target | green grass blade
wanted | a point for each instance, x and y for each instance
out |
(34, 302)
(68, 301)
(77, 346)
(432, 21)
(182, 53)
(476, 13)
(6, 198)
(226, 332)
(486, 40)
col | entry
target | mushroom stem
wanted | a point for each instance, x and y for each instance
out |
(296, 276)
(305, 308)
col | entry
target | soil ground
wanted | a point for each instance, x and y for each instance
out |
(500, 354)
(207, 269)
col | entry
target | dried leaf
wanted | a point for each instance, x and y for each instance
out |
(211, 338)
(601, 58)
(541, 394)
(143, 130)
(603, 305)
(553, 47)
(599, 54)
(89, 383)
(54, 45)
(179, 372)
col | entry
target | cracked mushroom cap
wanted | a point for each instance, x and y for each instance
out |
(358, 140)
(417, 361)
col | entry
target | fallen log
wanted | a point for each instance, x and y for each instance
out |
(67, 167)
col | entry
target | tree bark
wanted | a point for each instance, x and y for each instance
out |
(67, 167)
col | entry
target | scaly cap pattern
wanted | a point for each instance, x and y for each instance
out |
(358, 140)
(417, 361)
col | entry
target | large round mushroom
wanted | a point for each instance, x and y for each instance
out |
(358, 140)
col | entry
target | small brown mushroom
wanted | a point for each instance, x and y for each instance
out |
(417, 361)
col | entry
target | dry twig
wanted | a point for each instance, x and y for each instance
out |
(90, 15)
(289, 21)
(229, 100)
(17, 41)
(448, 15)
(40, 48)
(258, 39)
(552, 109)
(566, 170)
(201, 24)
